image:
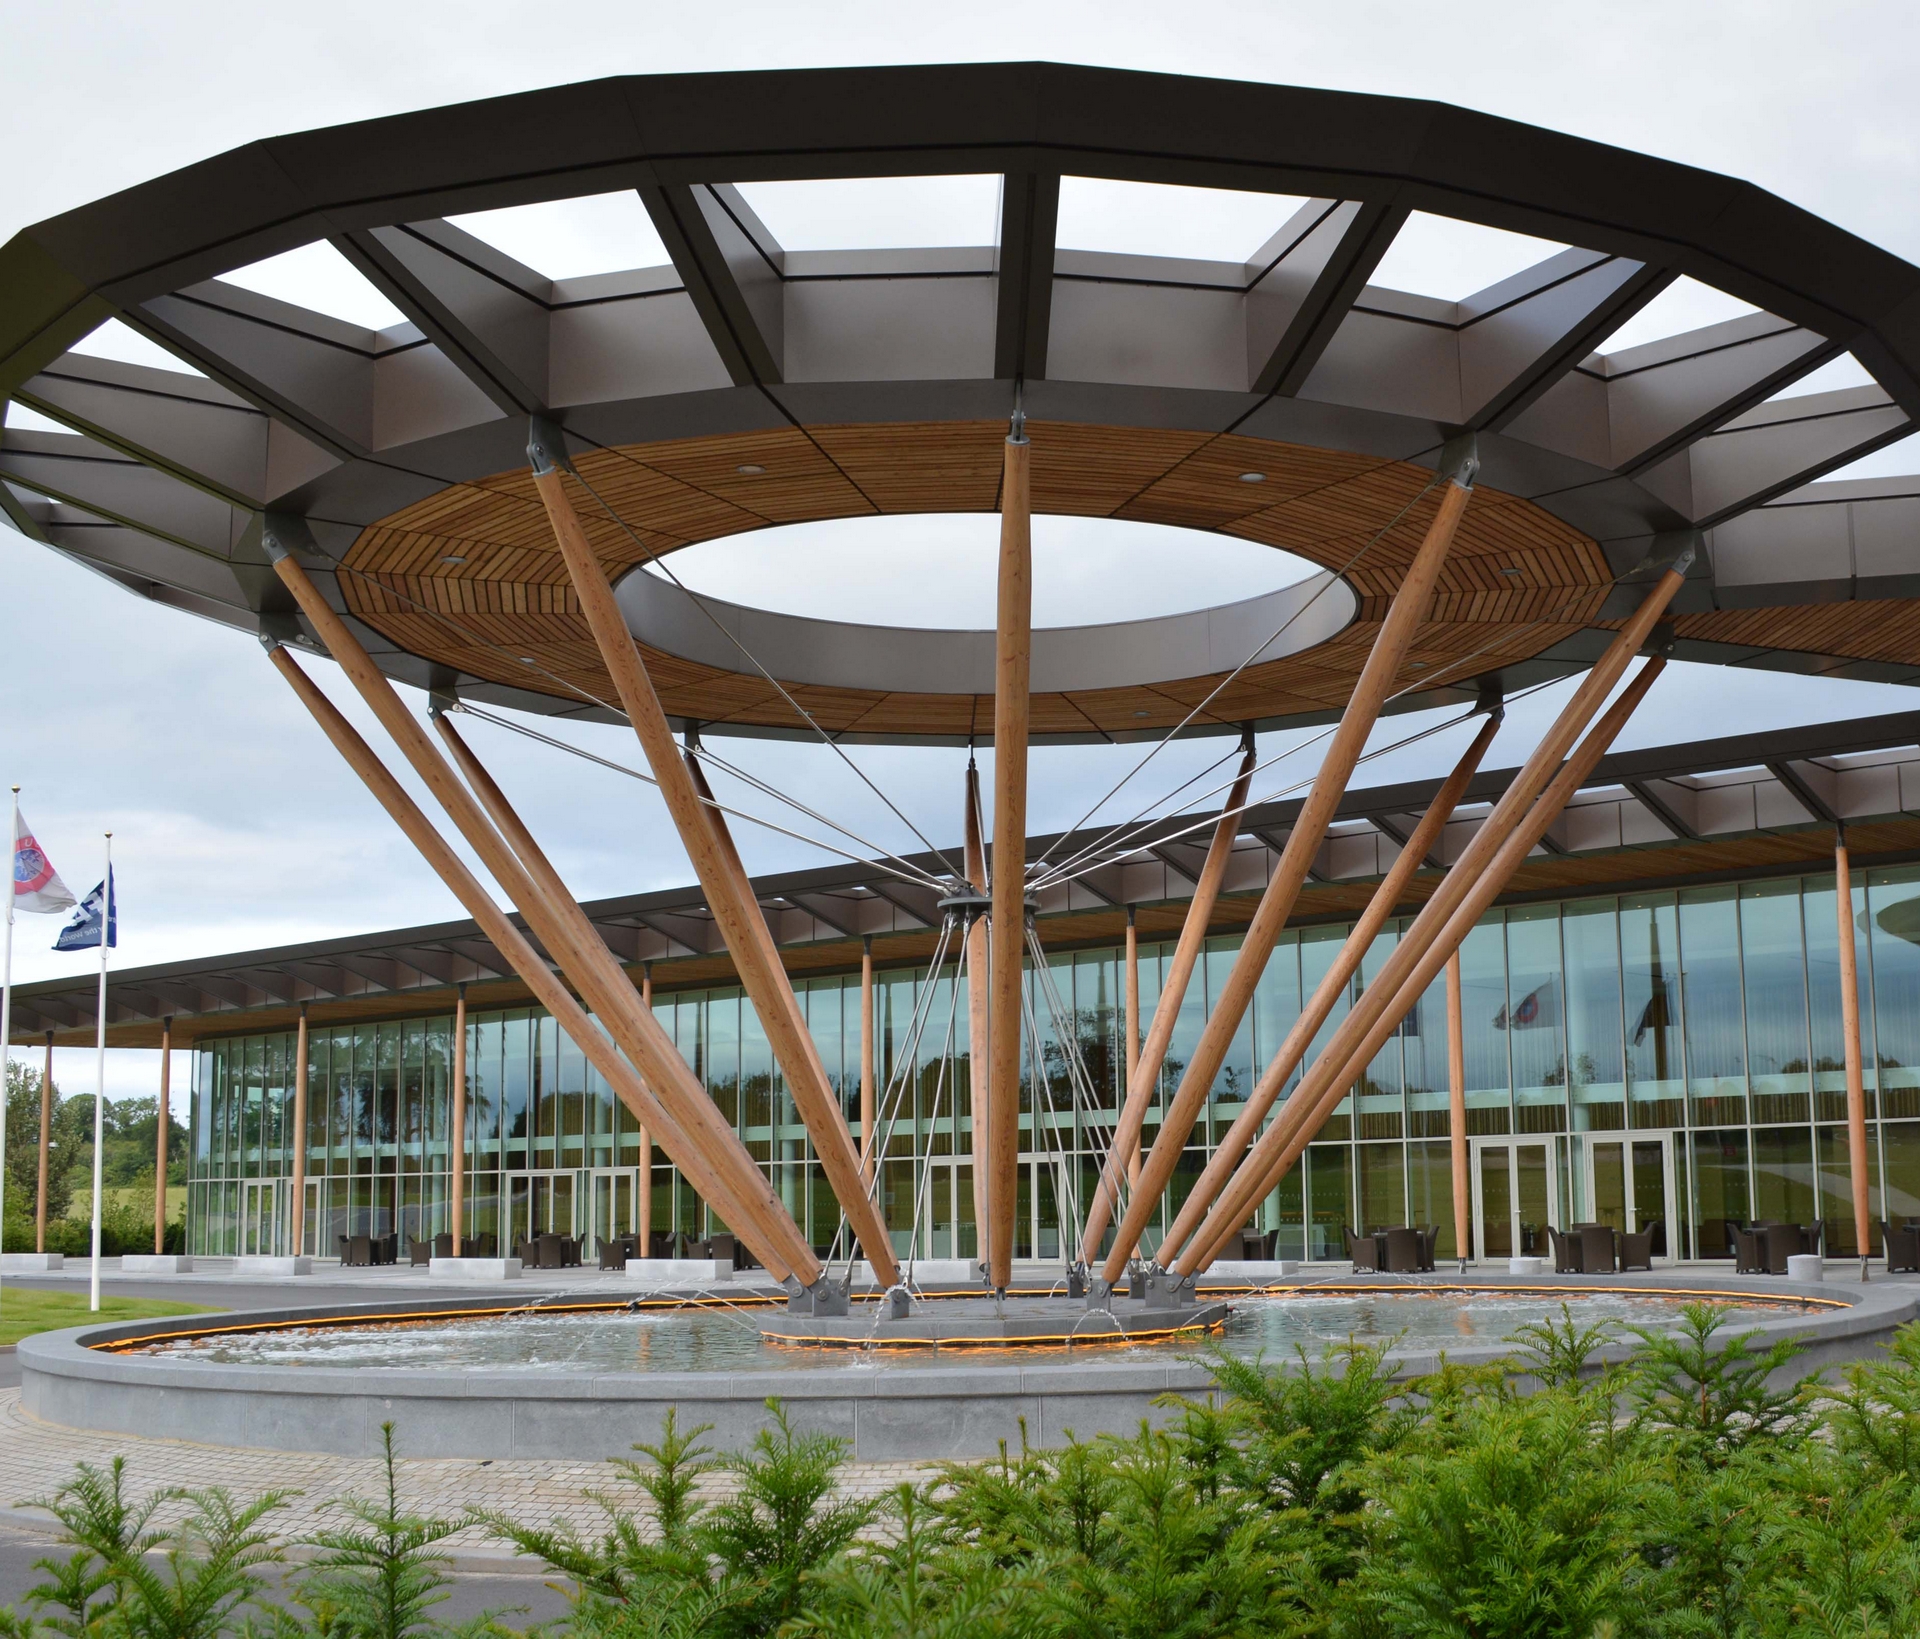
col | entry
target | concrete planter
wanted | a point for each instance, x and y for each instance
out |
(32, 1263)
(264, 1267)
(678, 1271)
(474, 1269)
(931, 1274)
(1806, 1266)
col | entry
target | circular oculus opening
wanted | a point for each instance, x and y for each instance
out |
(907, 603)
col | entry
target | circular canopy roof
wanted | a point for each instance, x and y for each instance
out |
(746, 384)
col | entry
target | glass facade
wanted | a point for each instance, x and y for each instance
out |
(1667, 1056)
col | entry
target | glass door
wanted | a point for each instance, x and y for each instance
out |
(263, 1216)
(1630, 1186)
(313, 1236)
(613, 1192)
(1514, 1199)
(540, 1203)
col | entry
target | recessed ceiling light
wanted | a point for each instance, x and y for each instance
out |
(750, 471)
(1253, 477)
(1140, 714)
(528, 660)
(1416, 665)
(1509, 571)
(453, 557)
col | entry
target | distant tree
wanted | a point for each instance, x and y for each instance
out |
(23, 1144)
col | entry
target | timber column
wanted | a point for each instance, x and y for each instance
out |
(1457, 1112)
(297, 1206)
(1133, 1035)
(643, 1203)
(46, 1138)
(1850, 1032)
(457, 1137)
(1013, 658)
(869, 1130)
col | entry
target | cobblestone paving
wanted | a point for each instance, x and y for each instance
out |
(35, 1457)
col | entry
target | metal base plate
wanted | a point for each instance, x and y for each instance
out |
(981, 1322)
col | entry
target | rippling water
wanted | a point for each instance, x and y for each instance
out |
(719, 1340)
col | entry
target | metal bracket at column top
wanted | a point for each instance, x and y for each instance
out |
(547, 446)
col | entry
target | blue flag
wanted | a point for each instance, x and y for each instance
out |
(83, 931)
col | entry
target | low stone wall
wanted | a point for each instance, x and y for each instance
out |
(950, 1407)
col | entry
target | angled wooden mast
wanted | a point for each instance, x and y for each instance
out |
(1143, 1075)
(1508, 813)
(540, 979)
(728, 896)
(1332, 987)
(1013, 655)
(1460, 462)
(1394, 994)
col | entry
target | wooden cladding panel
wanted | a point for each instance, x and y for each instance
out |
(503, 612)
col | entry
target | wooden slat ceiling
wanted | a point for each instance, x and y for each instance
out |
(505, 613)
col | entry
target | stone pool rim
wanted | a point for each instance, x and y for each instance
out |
(926, 1412)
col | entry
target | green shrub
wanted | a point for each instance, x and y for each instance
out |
(1689, 1491)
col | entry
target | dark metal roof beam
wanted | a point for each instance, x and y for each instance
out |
(1524, 334)
(313, 372)
(1779, 447)
(733, 270)
(1802, 792)
(1667, 394)
(185, 425)
(1307, 296)
(1023, 300)
(485, 311)
(1662, 810)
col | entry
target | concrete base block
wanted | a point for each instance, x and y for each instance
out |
(475, 1268)
(1526, 1266)
(1255, 1271)
(931, 1274)
(677, 1271)
(1806, 1266)
(153, 1263)
(268, 1268)
(28, 1263)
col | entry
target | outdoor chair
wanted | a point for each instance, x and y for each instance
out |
(549, 1251)
(1749, 1256)
(1403, 1251)
(419, 1252)
(443, 1246)
(570, 1246)
(1256, 1246)
(528, 1254)
(1636, 1251)
(1597, 1249)
(1783, 1241)
(484, 1245)
(1364, 1250)
(614, 1253)
(660, 1243)
(386, 1249)
(1566, 1251)
(1817, 1237)
(1903, 1249)
(359, 1250)
(724, 1248)
(1428, 1237)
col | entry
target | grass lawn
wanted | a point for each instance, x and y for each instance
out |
(24, 1311)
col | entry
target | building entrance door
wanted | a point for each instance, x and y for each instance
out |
(613, 1196)
(1627, 1182)
(263, 1217)
(1514, 1199)
(540, 1203)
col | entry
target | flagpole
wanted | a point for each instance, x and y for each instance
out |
(6, 1016)
(100, 1068)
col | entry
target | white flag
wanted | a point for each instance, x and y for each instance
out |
(36, 884)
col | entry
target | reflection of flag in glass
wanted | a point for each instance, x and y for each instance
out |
(1537, 1009)
(1658, 1013)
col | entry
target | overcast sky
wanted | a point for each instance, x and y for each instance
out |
(235, 827)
